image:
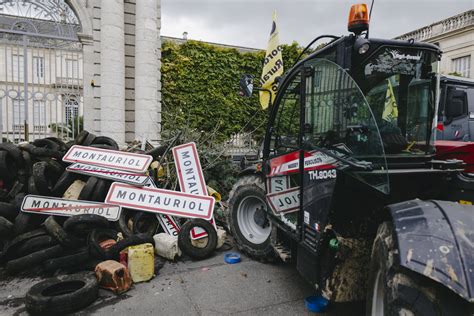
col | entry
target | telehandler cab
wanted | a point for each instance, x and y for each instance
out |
(348, 187)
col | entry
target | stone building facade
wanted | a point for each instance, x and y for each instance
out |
(122, 57)
(455, 37)
(64, 61)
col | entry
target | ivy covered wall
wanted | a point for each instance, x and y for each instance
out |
(200, 84)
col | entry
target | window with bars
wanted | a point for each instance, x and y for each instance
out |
(17, 67)
(462, 65)
(18, 114)
(38, 67)
(39, 115)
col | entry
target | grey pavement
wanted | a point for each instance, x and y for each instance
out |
(207, 287)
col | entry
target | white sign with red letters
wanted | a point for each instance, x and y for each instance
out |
(286, 201)
(190, 177)
(161, 201)
(62, 207)
(114, 159)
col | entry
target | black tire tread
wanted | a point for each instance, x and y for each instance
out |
(406, 292)
(184, 239)
(37, 303)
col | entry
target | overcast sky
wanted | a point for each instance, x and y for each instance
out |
(247, 22)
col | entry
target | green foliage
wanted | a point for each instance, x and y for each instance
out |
(219, 172)
(73, 127)
(457, 74)
(201, 85)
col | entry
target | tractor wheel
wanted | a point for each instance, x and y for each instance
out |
(247, 218)
(394, 290)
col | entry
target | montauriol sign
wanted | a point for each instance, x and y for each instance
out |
(190, 177)
(286, 201)
(168, 223)
(114, 159)
(161, 201)
(108, 173)
(62, 207)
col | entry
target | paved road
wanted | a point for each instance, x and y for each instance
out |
(208, 287)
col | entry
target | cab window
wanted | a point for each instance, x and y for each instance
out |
(286, 129)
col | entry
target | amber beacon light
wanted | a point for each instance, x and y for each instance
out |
(358, 18)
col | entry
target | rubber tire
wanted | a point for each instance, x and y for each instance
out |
(97, 236)
(100, 191)
(28, 165)
(122, 224)
(82, 225)
(248, 185)
(113, 252)
(25, 222)
(35, 244)
(406, 292)
(32, 186)
(81, 137)
(46, 143)
(63, 183)
(65, 239)
(44, 152)
(76, 259)
(33, 259)
(8, 168)
(8, 210)
(13, 151)
(10, 247)
(104, 140)
(45, 175)
(151, 223)
(184, 239)
(89, 139)
(68, 299)
(16, 189)
(59, 142)
(88, 189)
(6, 228)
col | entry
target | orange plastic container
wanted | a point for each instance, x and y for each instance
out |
(114, 276)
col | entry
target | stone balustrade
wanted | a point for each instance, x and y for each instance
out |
(454, 23)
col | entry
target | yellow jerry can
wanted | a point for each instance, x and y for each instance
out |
(141, 262)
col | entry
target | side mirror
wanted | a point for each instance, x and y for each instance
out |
(246, 85)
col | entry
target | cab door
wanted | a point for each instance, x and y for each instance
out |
(282, 152)
(339, 135)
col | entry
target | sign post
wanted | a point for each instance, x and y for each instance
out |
(108, 173)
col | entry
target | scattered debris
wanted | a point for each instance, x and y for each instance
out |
(62, 208)
(316, 304)
(63, 294)
(141, 262)
(113, 276)
(166, 246)
(232, 258)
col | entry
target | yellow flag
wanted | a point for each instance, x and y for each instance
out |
(272, 67)
(390, 111)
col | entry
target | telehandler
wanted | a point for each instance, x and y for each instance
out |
(348, 186)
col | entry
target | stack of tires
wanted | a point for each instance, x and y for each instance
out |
(34, 241)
